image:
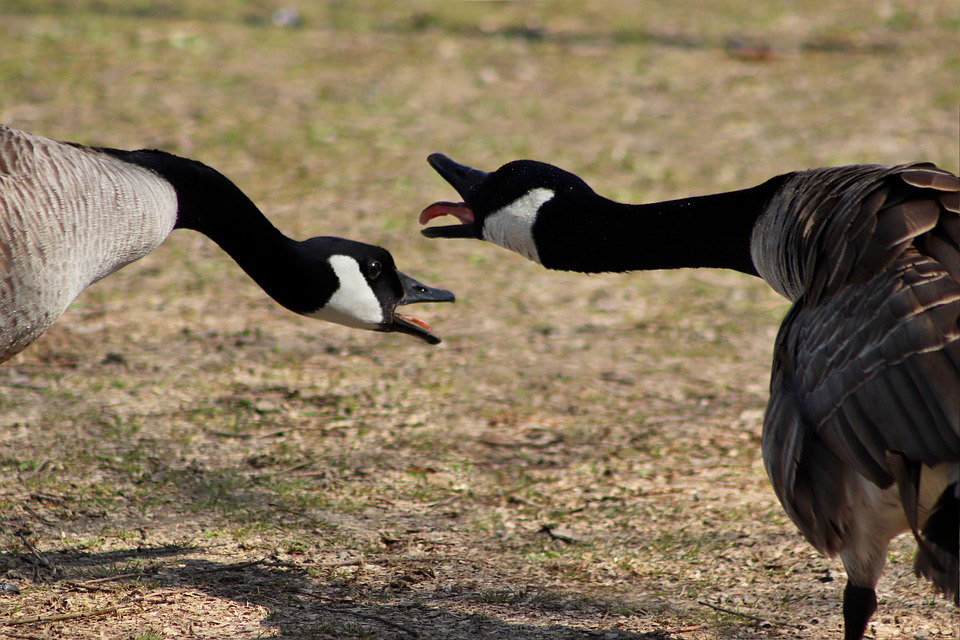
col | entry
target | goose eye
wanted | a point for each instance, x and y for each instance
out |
(373, 269)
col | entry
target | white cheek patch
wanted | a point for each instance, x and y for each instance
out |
(512, 226)
(353, 304)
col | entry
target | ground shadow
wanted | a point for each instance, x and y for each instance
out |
(303, 606)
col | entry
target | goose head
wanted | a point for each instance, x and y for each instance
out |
(356, 285)
(511, 207)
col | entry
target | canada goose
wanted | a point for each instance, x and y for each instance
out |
(861, 437)
(72, 214)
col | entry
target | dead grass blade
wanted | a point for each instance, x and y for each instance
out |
(746, 616)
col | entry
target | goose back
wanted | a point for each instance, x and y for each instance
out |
(827, 228)
(69, 215)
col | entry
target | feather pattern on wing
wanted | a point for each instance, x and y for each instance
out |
(69, 215)
(867, 360)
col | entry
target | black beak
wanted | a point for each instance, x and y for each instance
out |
(450, 231)
(414, 292)
(460, 176)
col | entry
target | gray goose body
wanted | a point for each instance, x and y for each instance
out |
(61, 231)
(72, 214)
(861, 437)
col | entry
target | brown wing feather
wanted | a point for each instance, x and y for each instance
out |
(868, 359)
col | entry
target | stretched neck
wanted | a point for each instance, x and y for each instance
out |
(210, 203)
(704, 231)
(244, 233)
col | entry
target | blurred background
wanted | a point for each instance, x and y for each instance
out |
(175, 407)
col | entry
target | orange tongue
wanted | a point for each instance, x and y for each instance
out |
(458, 210)
(417, 321)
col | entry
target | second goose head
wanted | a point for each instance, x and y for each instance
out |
(508, 206)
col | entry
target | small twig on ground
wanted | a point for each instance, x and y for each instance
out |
(119, 576)
(443, 503)
(517, 499)
(91, 588)
(298, 467)
(731, 611)
(37, 469)
(383, 621)
(92, 613)
(493, 442)
(277, 507)
(227, 434)
(342, 608)
(745, 615)
(43, 562)
(286, 430)
(17, 636)
(36, 515)
(246, 565)
(47, 497)
(276, 433)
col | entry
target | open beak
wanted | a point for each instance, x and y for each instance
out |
(462, 178)
(413, 293)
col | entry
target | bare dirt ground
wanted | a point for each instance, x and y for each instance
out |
(180, 458)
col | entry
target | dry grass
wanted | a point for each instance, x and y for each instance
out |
(579, 459)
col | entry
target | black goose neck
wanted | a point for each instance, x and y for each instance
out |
(210, 203)
(701, 231)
